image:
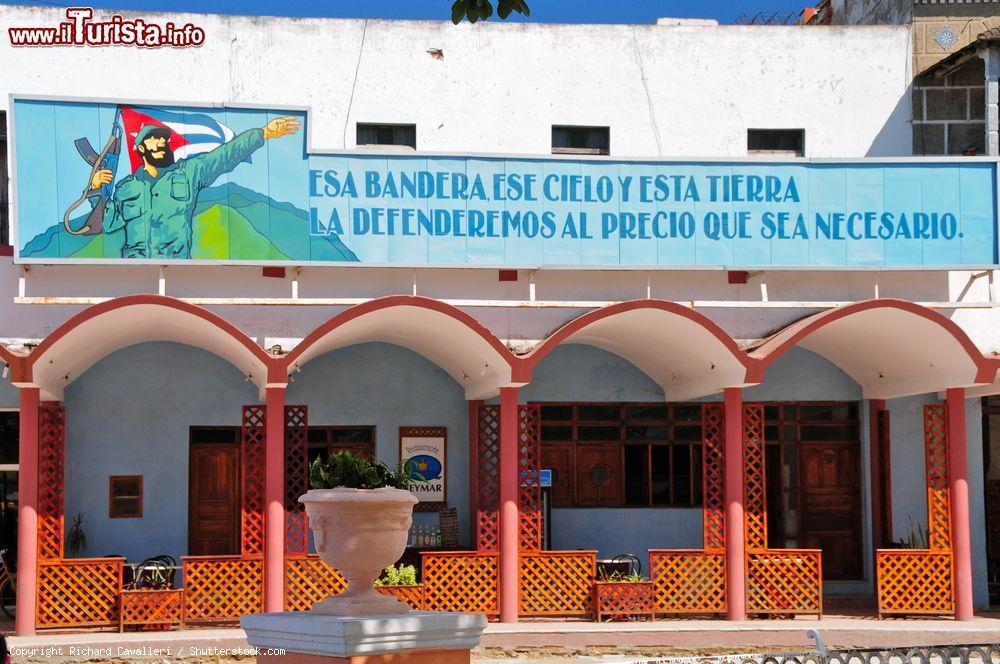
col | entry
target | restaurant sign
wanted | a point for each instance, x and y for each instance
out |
(112, 182)
(422, 454)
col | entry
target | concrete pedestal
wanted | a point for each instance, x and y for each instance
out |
(418, 637)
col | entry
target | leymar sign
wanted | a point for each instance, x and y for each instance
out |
(122, 182)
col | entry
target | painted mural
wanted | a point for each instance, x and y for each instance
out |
(112, 182)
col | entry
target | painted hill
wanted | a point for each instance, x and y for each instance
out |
(230, 223)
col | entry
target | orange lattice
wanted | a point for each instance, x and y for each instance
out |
(921, 581)
(488, 504)
(713, 463)
(296, 479)
(914, 582)
(529, 461)
(51, 474)
(616, 601)
(688, 581)
(309, 580)
(938, 499)
(151, 607)
(783, 581)
(557, 583)
(412, 595)
(82, 592)
(753, 477)
(254, 434)
(460, 581)
(222, 588)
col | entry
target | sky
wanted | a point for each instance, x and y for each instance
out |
(552, 11)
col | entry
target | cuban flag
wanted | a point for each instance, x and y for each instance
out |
(190, 133)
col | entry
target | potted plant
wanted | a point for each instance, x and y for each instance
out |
(619, 596)
(400, 581)
(360, 512)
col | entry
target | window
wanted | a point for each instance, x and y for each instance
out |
(126, 497)
(329, 439)
(387, 134)
(781, 142)
(581, 140)
(4, 213)
(612, 455)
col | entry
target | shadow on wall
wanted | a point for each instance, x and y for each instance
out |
(895, 138)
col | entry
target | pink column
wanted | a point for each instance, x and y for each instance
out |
(958, 476)
(274, 502)
(509, 519)
(736, 602)
(27, 512)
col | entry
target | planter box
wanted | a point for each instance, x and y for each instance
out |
(162, 608)
(412, 595)
(623, 600)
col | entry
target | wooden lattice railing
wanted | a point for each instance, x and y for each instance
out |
(785, 581)
(557, 583)
(309, 580)
(82, 592)
(621, 600)
(151, 607)
(413, 596)
(688, 581)
(921, 581)
(464, 581)
(222, 588)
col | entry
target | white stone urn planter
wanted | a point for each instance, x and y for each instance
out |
(360, 532)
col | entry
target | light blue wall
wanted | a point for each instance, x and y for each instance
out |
(390, 387)
(909, 486)
(130, 414)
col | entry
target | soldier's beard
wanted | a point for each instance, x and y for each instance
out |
(160, 162)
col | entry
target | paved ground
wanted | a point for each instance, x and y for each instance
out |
(551, 642)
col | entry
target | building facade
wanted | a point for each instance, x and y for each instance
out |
(172, 365)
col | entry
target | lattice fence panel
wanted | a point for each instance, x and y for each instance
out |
(296, 478)
(488, 453)
(784, 581)
(915, 582)
(530, 463)
(713, 464)
(753, 477)
(222, 589)
(309, 580)
(413, 596)
(688, 581)
(465, 582)
(78, 593)
(938, 499)
(557, 583)
(254, 434)
(51, 478)
(152, 607)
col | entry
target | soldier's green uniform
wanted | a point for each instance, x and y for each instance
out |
(157, 213)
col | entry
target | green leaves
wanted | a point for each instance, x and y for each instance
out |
(344, 469)
(401, 575)
(475, 10)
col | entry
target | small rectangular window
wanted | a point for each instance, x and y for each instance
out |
(779, 142)
(326, 440)
(125, 497)
(581, 140)
(399, 135)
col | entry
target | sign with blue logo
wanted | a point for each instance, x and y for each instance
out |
(121, 182)
(422, 454)
(545, 478)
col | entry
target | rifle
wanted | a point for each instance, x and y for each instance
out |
(106, 160)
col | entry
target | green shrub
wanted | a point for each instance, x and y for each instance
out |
(401, 575)
(348, 470)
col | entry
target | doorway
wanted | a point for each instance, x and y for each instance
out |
(814, 482)
(214, 492)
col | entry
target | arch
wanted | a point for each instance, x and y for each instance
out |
(892, 348)
(683, 350)
(445, 335)
(104, 328)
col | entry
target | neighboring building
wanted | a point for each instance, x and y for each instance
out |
(629, 231)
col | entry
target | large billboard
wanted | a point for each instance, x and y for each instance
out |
(112, 182)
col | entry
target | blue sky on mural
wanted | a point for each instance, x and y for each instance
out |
(556, 11)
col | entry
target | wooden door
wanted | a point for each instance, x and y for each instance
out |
(831, 515)
(214, 497)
